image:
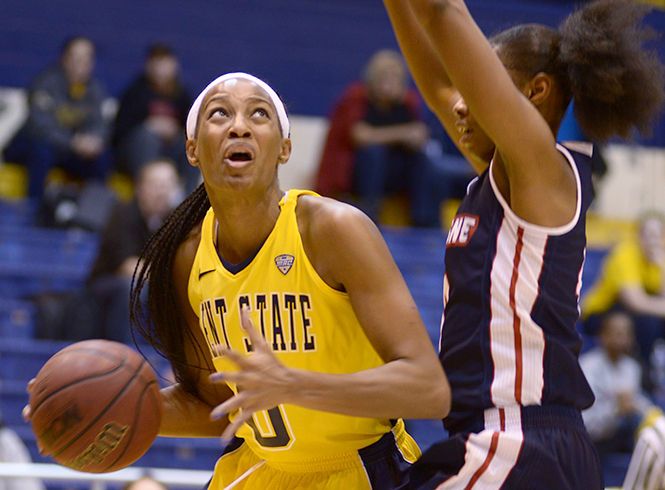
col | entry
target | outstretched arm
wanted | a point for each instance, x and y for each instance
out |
(428, 71)
(532, 175)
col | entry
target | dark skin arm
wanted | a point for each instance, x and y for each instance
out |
(532, 175)
(429, 73)
(187, 415)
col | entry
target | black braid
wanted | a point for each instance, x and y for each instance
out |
(162, 322)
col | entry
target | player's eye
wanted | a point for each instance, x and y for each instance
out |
(261, 112)
(220, 111)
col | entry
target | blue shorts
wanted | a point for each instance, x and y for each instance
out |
(513, 448)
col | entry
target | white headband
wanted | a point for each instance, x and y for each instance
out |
(193, 115)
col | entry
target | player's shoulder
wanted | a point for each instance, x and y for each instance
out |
(336, 236)
(326, 217)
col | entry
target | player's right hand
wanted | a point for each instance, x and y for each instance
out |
(26, 412)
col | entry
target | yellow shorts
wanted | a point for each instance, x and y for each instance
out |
(380, 466)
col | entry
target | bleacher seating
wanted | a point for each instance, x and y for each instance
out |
(419, 255)
(17, 318)
(37, 260)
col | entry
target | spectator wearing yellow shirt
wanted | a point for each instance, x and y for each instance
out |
(631, 280)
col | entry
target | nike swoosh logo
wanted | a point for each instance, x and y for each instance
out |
(203, 273)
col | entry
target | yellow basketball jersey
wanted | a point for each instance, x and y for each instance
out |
(308, 324)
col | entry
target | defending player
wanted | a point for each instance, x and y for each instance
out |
(516, 247)
(345, 352)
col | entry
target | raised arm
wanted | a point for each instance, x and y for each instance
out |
(428, 72)
(532, 175)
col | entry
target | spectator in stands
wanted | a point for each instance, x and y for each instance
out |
(615, 379)
(375, 144)
(631, 280)
(151, 117)
(66, 126)
(14, 450)
(145, 483)
(130, 226)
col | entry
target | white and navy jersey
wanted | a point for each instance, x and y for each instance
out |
(511, 300)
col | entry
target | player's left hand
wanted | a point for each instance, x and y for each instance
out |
(262, 381)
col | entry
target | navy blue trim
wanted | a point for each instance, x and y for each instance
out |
(235, 268)
(533, 417)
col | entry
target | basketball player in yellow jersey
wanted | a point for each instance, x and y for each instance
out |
(312, 396)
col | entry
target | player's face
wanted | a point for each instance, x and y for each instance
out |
(238, 144)
(473, 138)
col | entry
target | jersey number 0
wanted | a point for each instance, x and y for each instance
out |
(276, 436)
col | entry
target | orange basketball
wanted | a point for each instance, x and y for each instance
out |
(96, 406)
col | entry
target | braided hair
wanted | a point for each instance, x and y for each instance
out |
(161, 322)
(598, 61)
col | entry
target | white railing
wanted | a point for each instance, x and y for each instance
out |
(53, 472)
(13, 112)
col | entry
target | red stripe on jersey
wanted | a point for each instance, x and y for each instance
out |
(476, 476)
(516, 319)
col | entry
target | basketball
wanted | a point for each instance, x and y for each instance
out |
(96, 406)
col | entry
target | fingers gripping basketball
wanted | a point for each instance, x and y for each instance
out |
(96, 406)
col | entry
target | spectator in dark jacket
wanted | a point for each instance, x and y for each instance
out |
(151, 117)
(130, 226)
(66, 127)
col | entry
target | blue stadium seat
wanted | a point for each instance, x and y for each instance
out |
(17, 213)
(17, 318)
(13, 397)
(21, 359)
(38, 260)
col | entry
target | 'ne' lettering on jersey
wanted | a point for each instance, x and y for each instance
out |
(461, 230)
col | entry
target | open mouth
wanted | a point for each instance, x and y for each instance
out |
(239, 155)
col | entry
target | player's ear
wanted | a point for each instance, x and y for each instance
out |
(539, 88)
(285, 151)
(191, 153)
